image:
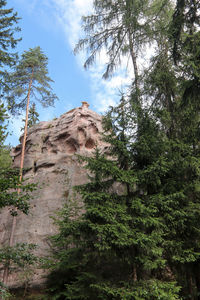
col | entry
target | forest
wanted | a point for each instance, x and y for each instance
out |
(144, 242)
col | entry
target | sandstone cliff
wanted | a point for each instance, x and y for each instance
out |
(51, 162)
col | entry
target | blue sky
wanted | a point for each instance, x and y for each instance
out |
(55, 26)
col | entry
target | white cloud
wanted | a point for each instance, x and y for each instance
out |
(117, 82)
(68, 13)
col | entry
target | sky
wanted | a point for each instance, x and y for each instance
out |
(55, 26)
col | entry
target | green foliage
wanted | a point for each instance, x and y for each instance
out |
(19, 258)
(185, 24)
(32, 66)
(9, 183)
(116, 247)
(122, 28)
(8, 19)
(4, 292)
(138, 236)
(32, 117)
(9, 178)
(5, 158)
(32, 294)
(19, 255)
(151, 290)
(3, 127)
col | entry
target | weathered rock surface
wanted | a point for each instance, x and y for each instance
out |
(51, 162)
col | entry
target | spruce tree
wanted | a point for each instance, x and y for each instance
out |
(138, 237)
(9, 178)
(3, 117)
(115, 250)
(174, 88)
(32, 117)
(8, 19)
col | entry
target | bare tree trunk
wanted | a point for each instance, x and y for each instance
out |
(11, 240)
(134, 61)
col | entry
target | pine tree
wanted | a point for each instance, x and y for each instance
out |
(9, 178)
(29, 80)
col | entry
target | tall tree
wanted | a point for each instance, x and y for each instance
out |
(122, 28)
(9, 178)
(29, 80)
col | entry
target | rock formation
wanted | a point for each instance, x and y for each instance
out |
(50, 161)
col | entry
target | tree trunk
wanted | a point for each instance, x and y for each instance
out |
(11, 240)
(134, 61)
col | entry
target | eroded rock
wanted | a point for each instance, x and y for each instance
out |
(51, 162)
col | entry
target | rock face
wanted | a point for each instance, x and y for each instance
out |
(50, 161)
